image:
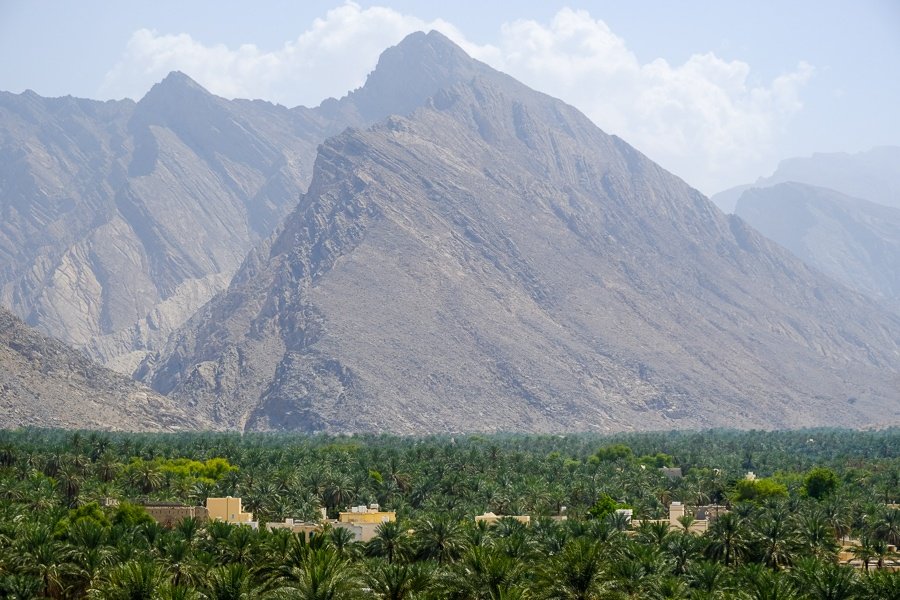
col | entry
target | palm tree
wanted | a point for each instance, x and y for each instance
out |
(146, 476)
(39, 554)
(391, 542)
(231, 582)
(134, 580)
(888, 526)
(761, 583)
(823, 580)
(483, 574)
(323, 575)
(682, 548)
(727, 539)
(776, 538)
(440, 539)
(69, 481)
(709, 580)
(880, 585)
(343, 542)
(398, 582)
(817, 535)
(575, 574)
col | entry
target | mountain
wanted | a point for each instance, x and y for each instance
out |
(121, 219)
(44, 383)
(853, 240)
(493, 261)
(873, 175)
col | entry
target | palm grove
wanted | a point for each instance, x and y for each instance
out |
(814, 492)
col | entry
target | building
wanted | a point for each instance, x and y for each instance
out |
(169, 514)
(364, 521)
(703, 516)
(366, 514)
(490, 518)
(304, 528)
(228, 509)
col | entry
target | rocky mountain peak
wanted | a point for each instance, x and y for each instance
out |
(410, 72)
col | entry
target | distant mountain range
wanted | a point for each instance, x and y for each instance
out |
(838, 212)
(873, 175)
(469, 255)
(853, 240)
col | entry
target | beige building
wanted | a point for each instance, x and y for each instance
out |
(168, 514)
(304, 528)
(363, 521)
(228, 509)
(702, 517)
(490, 518)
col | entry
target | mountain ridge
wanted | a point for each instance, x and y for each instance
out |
(496, 251)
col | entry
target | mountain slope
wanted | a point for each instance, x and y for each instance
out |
(44, 383)
(121, 219)
(855, 241)
(495, 261)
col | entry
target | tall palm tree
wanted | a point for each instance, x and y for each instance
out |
(776, 538)
(231, 582)
(134, 580)
(727, 539)
(398, 582)
(761, 583)
(323, 575)
(709, 580)
(576, 573)
(440, 539)
(482, 574)
(825, 581)
(391, 542)
(880, 585)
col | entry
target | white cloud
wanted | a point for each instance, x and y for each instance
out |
(330, 58)
(702, 119)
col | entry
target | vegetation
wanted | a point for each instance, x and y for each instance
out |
(814, 492)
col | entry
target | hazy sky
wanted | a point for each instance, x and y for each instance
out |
(717, 92)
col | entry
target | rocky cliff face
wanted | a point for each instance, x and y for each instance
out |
(121, 219)
(855, 241)
(496, 262)
(44, 383)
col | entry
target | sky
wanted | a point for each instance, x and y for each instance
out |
(715, 91)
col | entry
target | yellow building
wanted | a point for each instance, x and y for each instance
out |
(371, 514)
(227, 509)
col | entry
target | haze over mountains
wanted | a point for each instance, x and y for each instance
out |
(873, 175)
(487, 259)
(838, 212)
(855, 241)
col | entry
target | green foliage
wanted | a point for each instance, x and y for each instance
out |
(55, 542)
(614, 452)
(130, 515)
(758, 490)
(820, 482)
(88, 512)
(658, 460)
(604, 506)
